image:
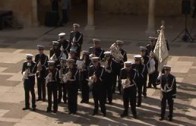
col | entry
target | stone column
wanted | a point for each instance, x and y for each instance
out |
(90, 16)
(34, 13)
(151, 18)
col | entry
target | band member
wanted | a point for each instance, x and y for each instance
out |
(96, 81)
(118, 65)
(55, 53)
(108, 75)
(76, 36)
(128, 76)
(52, 80)
(74, 47)
(41, 61)
(62, 87)
(28, 71)
(72, 85)
(168, 91)
(145, 73)
(150, 47)
(140, 69)
(83, 76)
(96, 49)
(152, 70)
(64, 43)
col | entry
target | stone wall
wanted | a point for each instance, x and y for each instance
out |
(22, 9)
(140, 7)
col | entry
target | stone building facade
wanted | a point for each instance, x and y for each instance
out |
(31, 12)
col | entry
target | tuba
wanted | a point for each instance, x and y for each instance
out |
(39, 68)
(116, 53)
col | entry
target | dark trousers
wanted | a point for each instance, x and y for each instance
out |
(129, 96)
(99, 98)
(167, 98)
(72, 97)
(152, 79)
(139, 92)
(62, 92)
(52, 92)
(108, 87)
(29, 87)
(41, 88)
(145, 85)
(85, 91)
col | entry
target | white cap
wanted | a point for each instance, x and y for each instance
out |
(142, 48)
(137, 56)
(51, 62)
(76, 25)
(96, 40)
(61, 34)
(94, 58)
(166, 67)
(128, 63)
(29, 55)
(70, 60)
(55, 42)
(119, 42)
(107, 52)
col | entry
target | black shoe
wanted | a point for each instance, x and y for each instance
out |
(39, 99)
(135, 116)
(139, 105)
(170, 119)
(104, 114)
(33, 109)
(48, 110)
(161, 119)
(25, 108)
(54, 111)
(123, 115)
(95, 113)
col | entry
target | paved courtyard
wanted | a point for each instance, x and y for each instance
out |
(15, 44)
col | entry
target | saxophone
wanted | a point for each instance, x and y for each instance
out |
(39, 68)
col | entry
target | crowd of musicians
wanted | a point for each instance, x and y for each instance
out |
(69, 69)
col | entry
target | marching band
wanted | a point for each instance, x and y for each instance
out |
(68, 70)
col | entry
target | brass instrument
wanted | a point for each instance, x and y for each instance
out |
(39, 68)
(67, 76)
(26, 74)
(126, 83)
(92, 79)
(49, 77)
(116, 53)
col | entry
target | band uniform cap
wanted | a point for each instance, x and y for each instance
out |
(152, 37)
(95, 58)
(29, 55)
(137, 56)
(107, 53)
(70, 60)
(62, 34)
(39, 47)
(95, 40)
(166, 67)
(142, 48)
(76, 25)
(51, 62)
(55, 42)
(85, 52)
(119, 42)
(128, 63)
